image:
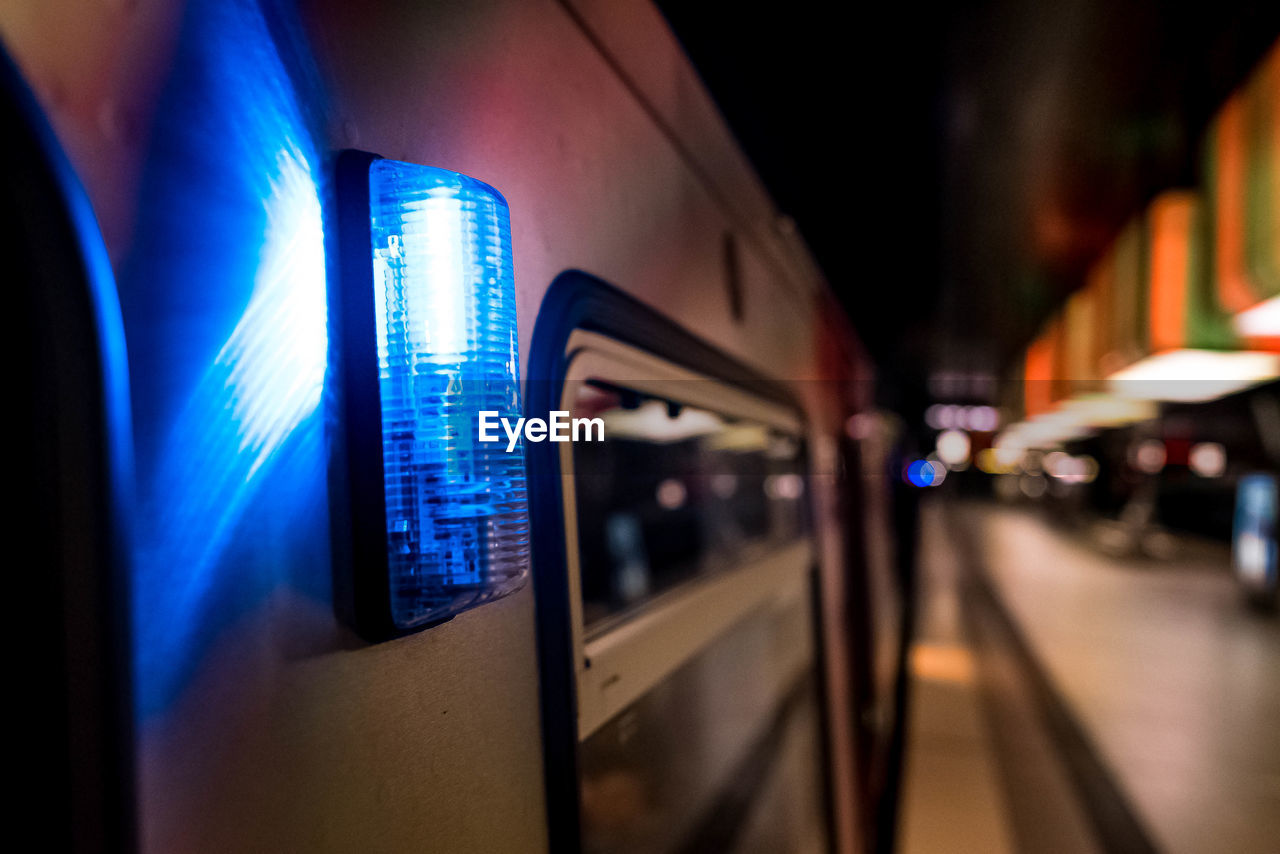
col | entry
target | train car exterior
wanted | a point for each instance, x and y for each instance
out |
(655, 285)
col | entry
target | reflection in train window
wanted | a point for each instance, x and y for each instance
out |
(675, 492)
(723, 755)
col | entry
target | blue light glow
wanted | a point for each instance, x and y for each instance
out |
(921, 473)
(224, 297)
(444, 295)
(276, 354)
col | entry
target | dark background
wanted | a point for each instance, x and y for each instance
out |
(956, 169)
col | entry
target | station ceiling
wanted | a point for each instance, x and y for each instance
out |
(956, 169)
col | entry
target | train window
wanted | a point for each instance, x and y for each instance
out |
(675, 492)
(689, 563)
(723, 755)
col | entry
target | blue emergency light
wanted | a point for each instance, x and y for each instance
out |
(439, 521)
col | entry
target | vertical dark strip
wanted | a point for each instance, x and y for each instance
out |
(69, 478)
(733, 276)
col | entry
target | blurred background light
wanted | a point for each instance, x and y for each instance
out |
(1261, 321)
(1148, 456)
(1194, 375)
(671, 494)
(948, 416)
(1071, 469)
(1101, 410)
(984, 419)
(921, 473)
(652, 422)
(940, 416)
(1208, 459)
(953, 447)
(784, 487)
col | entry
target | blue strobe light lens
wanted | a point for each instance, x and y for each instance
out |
(454, 517)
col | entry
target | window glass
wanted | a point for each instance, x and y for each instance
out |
(674, 492)
(723, 755)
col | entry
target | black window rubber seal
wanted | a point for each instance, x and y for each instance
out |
(578, 300)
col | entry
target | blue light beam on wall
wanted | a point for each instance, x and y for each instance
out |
(276, 354)
(226, 316)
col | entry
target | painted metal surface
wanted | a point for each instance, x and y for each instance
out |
(203, 133)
